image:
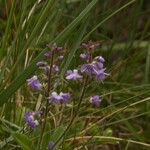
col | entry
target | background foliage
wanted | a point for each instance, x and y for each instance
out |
(122, 121)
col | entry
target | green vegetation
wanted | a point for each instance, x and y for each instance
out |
(121, 121)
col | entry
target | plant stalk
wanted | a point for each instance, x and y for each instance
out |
(75, 112)
(47, 101)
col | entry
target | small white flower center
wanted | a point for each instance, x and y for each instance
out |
(36, 122)
(34, 77)
(54, 93)
(75, 71)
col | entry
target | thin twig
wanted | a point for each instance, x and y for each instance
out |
(75, 112)
(47, 101)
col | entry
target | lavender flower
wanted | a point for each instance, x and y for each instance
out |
(65, 97)
(48, 54)
(50, 145)
(97, 65)
(46, 70)
(60, 58)
(55, 97)
(58, 49)
(62, 97)
(88, 68)
(90, 45)
(73, 75)
(95, 68)
(41, 64)
(95, 100)
(84, 56)
(55, 68)
(68, 72)
(101, 74)
(54, 47)
(100, 59)
(34, 83)
(30, 119)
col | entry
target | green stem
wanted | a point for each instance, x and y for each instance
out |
(47, 102)
(75, 112)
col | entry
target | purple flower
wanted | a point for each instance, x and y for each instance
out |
(73, 75)
(58, 49)
(62, 97)
(55, 97)
(30, 118)
(88, 68)
(84, 56)
(68, 72)
(95, 68)
(34, 83)
(65, 97)
(60, 58)
(101, 74)
(55, 68)
(46, 70)
(54, 47)
(50, 145)
(99, 59)
(97, 65)
(90, 45)
(48, 54)
(41, 64)
(95, 100)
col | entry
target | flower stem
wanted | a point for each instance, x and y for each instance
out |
(47, 101)
(75, 112)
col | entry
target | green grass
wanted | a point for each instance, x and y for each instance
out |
(123, 29)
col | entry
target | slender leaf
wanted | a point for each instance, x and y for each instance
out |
(5, 95)
(23, 141)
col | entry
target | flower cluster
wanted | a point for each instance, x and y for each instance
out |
(92, 69)
(95, 68)
(35, 84)
(47, 65)
(31, 118)
(59, 98)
